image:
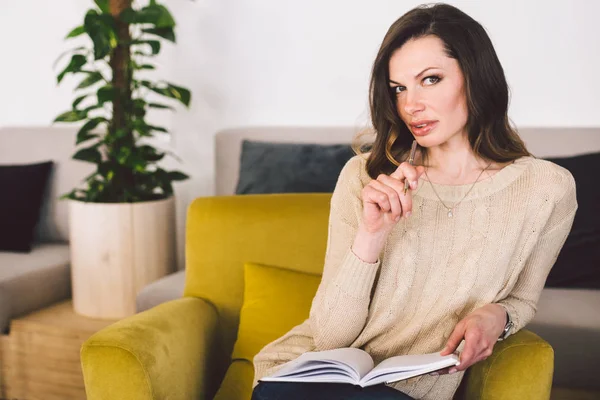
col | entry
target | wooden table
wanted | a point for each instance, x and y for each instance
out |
(39, 358)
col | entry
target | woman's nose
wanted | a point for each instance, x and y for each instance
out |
(412, 103)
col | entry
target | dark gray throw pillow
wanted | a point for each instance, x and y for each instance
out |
(23, 188)
(267, 167)
(578, 263)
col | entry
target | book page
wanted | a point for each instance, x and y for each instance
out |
(404, 367)
(337, 365)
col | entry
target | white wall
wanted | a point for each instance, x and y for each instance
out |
(284, 62)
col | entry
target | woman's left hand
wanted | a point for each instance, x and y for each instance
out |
(480, 330)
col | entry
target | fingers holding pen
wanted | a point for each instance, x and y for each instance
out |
(384, 200)
(389, 196)
(395, 189)
(409, 172)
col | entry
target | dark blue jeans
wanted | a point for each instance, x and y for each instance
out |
(324, 391)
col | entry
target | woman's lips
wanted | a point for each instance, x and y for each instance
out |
(424, 130)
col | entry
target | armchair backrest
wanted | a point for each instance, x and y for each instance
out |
(224, 232)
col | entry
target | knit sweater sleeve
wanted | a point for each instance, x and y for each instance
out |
(521, 303)
(340, 306)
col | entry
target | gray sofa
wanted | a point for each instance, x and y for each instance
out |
(31, 281)
(569, 319)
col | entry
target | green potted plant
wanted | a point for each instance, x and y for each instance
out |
(122, 222)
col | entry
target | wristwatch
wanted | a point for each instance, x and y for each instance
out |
(507, 328)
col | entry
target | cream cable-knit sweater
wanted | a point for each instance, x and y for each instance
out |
(434, 270)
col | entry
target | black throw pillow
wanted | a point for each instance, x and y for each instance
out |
(267, 167)
(22, 188)
(578, 264)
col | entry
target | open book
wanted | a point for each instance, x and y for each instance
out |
(355, 366)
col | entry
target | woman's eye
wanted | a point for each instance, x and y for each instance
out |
(433, 79)
(430, 80)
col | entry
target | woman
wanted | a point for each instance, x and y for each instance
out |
(464, 254)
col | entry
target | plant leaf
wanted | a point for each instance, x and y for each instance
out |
(162, 179)
(161, 106)
(64, 53)
(89, 154)
(147, 84)
(158, 128)
(77, 61)
(83, 134)
(181, 94)
(168, 189)
(76, 32)
(177, 176)
(143, 66)
(128, 15)
(154, 45)
(165, 19)
(84, 137)
(150, 154)
(101, 31)
(105, 94)
(89, 80)
(139, 108)
(140, 126)
(172, 91)
(141, 53)
(103, 6)
(165, 33)
(71, 116)
(90, 108)
(78, 100)
(154, 14)
(69, 195)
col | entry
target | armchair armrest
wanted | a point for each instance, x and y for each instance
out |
(167, 352)
(521, 367)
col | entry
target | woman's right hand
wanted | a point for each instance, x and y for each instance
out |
(384, 201)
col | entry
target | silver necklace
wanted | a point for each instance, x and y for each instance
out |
(451, 209)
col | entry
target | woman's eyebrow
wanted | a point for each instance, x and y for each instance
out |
(418, 75)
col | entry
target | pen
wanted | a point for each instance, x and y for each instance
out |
(411, 161)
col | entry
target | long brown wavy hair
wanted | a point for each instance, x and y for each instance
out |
(490, 133)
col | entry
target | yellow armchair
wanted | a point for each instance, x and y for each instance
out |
(181, 350)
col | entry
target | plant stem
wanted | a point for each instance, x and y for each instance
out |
(120, 62)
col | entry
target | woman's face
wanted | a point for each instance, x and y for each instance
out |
(429, 88)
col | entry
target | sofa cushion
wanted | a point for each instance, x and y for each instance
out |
(237, 384)
(56, 143)
(267, 167)
(578, 263)
(160, 291)
(275, 300)
(29, 282)
(23, 187)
